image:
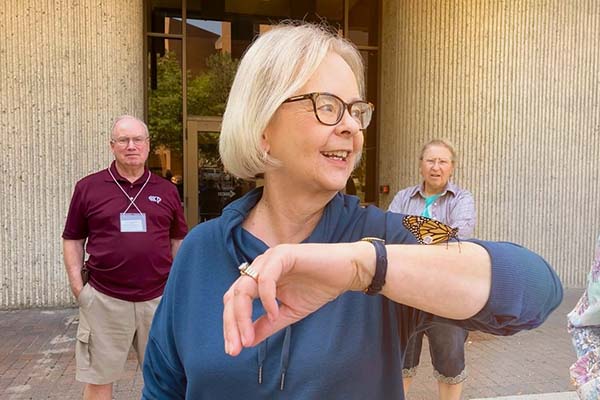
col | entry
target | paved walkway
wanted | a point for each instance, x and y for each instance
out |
(37, 361)
(545, 396)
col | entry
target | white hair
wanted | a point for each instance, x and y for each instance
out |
(126, 117)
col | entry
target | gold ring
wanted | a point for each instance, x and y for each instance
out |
(248, 270)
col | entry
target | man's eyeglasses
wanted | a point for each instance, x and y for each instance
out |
(431, 162)
(124, 141)
(329, 109)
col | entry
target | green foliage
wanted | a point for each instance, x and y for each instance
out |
(207, 95)
(165, 104)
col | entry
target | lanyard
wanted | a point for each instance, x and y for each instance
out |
(131, 199)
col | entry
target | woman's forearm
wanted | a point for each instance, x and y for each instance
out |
(451, 281)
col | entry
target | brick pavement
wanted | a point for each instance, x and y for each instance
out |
(529, 362)
(37, 360)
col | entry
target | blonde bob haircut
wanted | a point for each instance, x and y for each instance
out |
(439, 142)
(274, 68)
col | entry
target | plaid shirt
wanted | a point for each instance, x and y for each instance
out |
(454, 207)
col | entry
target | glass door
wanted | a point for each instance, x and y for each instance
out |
(208, 188)
(193, 48)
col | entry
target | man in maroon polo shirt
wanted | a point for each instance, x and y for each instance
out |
(131, 223)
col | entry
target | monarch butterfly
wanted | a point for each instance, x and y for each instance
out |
(429, 231)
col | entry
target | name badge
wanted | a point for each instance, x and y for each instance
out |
(131, 222)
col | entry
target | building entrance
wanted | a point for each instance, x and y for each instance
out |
(193, 49)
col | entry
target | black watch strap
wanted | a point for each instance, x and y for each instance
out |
(380, 265)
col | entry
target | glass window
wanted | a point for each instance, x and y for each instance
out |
(165, 109)
(216, 188)
(210, 66)
(217, 33)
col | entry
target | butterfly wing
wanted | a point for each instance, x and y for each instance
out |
(434, 232)
(429, 231)
(413, 223)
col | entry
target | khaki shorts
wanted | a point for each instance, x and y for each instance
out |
(108, 327)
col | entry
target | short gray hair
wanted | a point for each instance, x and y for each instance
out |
(439, 142)
(275, 66)
(124, 117)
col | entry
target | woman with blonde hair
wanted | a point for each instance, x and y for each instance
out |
(342, 286)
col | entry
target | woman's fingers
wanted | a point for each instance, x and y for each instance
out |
(231, 336)
(238, 329)
(244, 292)
(267, 287)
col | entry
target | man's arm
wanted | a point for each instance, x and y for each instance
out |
(175, 243)
(73, 258)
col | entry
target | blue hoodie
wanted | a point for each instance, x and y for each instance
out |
(351, 348)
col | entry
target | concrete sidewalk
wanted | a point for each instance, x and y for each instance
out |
(37, 360)
(544, 396)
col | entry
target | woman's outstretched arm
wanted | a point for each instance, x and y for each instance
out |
(452, 281)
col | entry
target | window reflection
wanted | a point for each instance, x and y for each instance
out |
(210, 65)
(165, 109)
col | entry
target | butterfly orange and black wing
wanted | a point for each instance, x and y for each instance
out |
(429, 231)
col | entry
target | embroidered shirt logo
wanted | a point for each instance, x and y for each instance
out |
(155, 199)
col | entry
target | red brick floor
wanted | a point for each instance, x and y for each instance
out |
(37, 359)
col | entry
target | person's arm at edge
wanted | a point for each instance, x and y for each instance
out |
(175, 244)
(179, 226)
(73, 251)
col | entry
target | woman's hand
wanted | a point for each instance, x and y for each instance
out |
(293, 281)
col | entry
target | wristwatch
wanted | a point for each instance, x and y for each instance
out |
(380, 265)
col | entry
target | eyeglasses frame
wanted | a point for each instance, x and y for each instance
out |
(312, 97)
(117, 143)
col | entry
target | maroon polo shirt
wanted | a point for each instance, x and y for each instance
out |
(131, 266)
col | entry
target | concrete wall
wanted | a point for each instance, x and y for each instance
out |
(66, 70)
(515, 85)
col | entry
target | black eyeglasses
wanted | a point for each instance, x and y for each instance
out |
(329, 109)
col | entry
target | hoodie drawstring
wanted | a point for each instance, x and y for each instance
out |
(262, 354)
(285, 355)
